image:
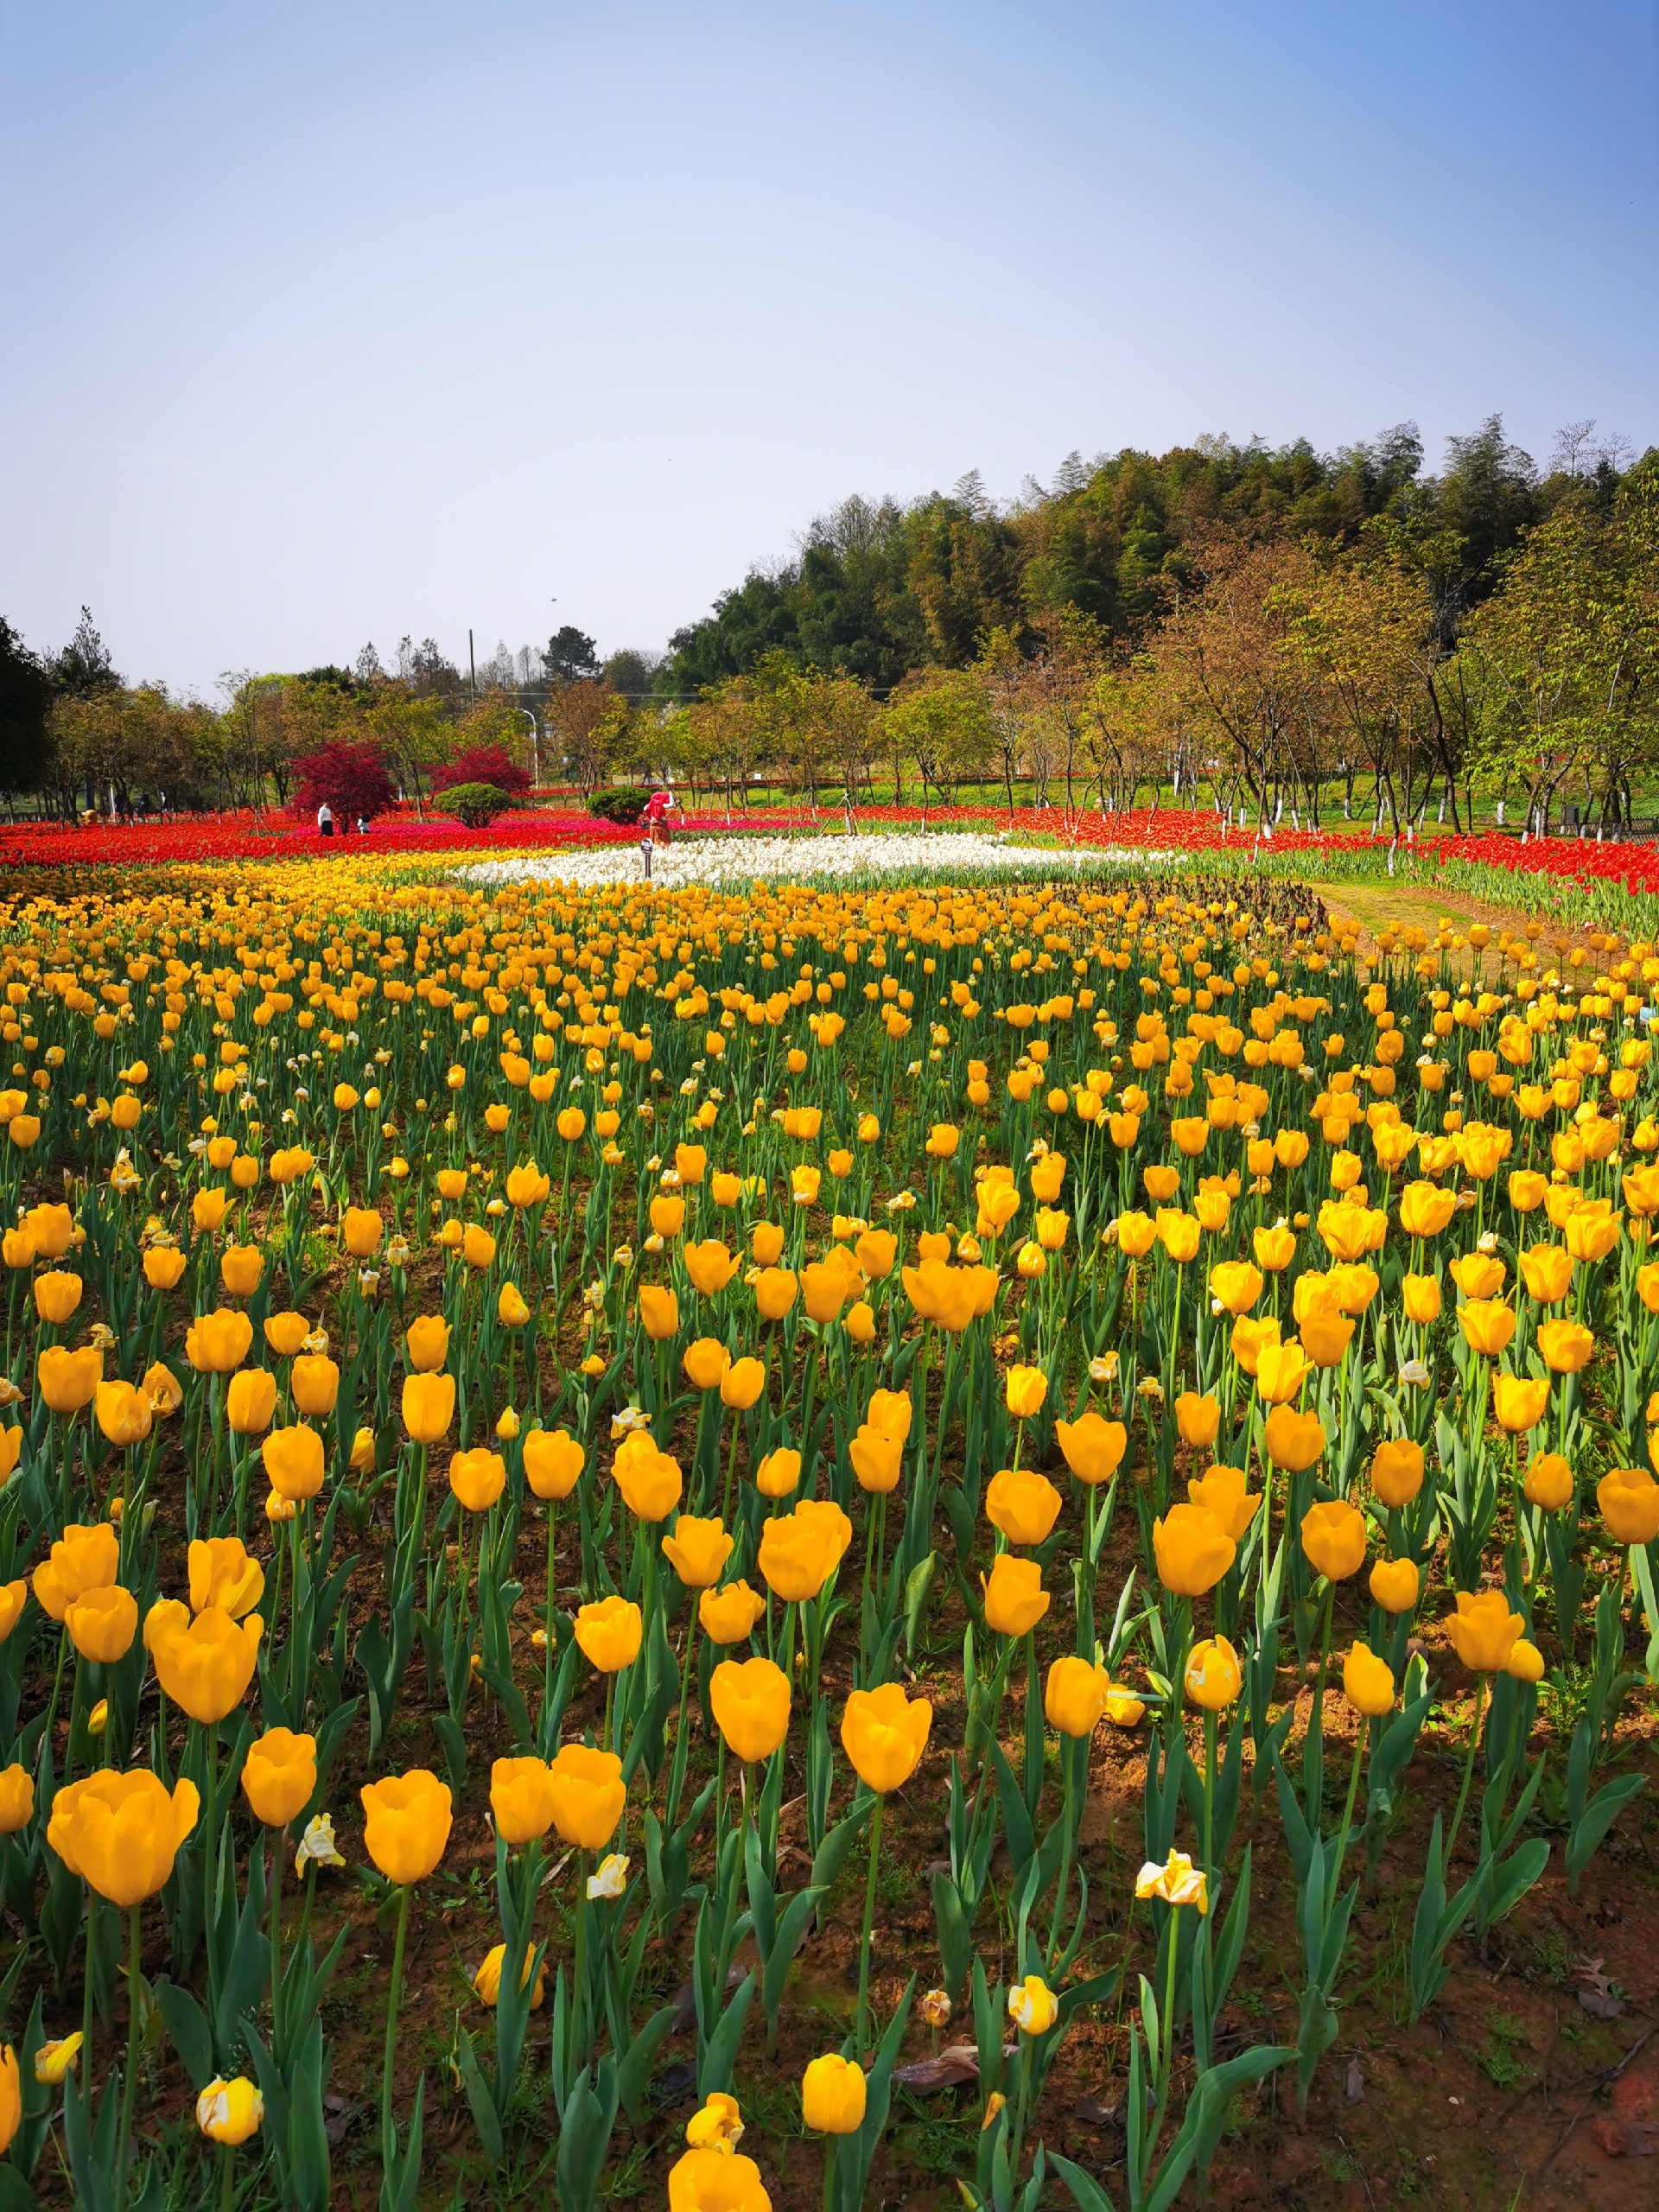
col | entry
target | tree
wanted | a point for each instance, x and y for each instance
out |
(482, 763)
(1568, 652)
(941, 719)
(352, 780)
(1231, 651)
(84, 667)
(113, 740)
(632, 673)
(584, 729)
(25, 693)
(1060, 682)
(841, 727)
(414, 732)
(570, 657)
(426, 672)
(1365, 634)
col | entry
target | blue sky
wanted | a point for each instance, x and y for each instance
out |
(330, 322)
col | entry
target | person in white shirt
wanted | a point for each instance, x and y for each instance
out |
(325, 820)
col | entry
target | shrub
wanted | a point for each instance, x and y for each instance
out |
(476, 804)
(614, 805)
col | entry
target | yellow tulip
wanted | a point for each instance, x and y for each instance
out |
(1220, 1491)
(1629, 1498)
(68, 1380)
(406, 1824)
(427, 1344)
(778, 1473)
(84, 1557)
(1395, 1584)
(428, 1405)
(1023, 1504)
(553, 1462)
(286, 1332)
(1368, 1683)
(1333, 1537)
(742, 1385)
(710, 1266)
(698, 1550)
(800, 1551)
(1293, 1440)
(650, 1480)
(1281, 1371)
(1192, 1550)
(883, 1733)
(1546, 1270)
(240, 1269)
(587, 1794)
(750, 1700)
(609, 1630)
(361, 1231)
(102, 1622)
(486, 1982)
(478, 1478)
(1549, 1482)
(217, 1342)
(521, 1800)
(16, 1798)
(1566, 1346)
(1074, 1696)
(314, 1380)
(1092, 1447)
(876, 1459)
(833, 2094)
(1214, 1676)
(1487, 1325)
(710, 2180)
(56, 1297)
(1397, 1470)
(205, 1665)
(279, 1775)
(728, 1616)
(1483, 1631)
(251, 1400)
(293, 1460)
(120, 1833)
(124, 1414)
(164, 1265)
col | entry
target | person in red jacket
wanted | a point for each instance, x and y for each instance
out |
(658, 809)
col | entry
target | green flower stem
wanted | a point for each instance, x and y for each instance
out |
(1166, 2026)
(128, 2086)
(1335, 1880)
(1068, 1836)
(579, 1995)
(1468, 1769)
(858, 2046)
(547, 1655)
(88, 2019)
(677, 1772)
(276, 1939)
(1021, 2103)
(210, 1843)
(388, 2131)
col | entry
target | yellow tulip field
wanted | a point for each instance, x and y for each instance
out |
(988, 1541)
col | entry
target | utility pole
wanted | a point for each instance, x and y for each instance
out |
(471, 667)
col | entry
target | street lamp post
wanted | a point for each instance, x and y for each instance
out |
(535, 746)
